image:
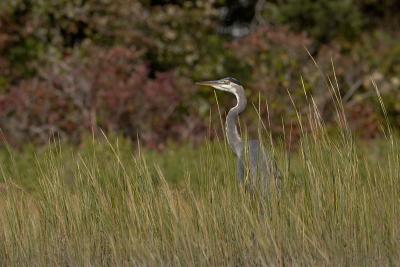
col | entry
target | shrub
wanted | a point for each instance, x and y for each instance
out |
(110, 90)
(68, 67)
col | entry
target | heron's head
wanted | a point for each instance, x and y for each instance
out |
(228, 84)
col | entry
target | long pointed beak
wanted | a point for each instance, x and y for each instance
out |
(209, 83)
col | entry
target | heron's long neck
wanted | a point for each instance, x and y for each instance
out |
(232, 134)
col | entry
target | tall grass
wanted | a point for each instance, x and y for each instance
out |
(106, 204)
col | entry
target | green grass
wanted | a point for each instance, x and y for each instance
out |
(109, 204)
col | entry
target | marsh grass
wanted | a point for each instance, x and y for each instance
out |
(109, 204)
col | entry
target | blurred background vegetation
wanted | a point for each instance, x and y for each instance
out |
(70, 67)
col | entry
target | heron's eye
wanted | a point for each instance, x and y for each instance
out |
(226, 81)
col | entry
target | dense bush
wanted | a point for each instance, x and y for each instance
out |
(323, 19)
(69, 67)
(329, 19)
(112, 90)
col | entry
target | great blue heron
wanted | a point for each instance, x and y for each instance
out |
(262, 167)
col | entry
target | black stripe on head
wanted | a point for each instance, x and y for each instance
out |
(233, 80)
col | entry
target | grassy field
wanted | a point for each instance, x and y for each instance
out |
(108, 204)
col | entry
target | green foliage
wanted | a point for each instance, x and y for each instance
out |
(323, 20)
(182, 36)
(326, 20)
(23, 53)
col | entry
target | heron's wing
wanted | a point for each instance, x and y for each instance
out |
(262, 164)
(254, 158)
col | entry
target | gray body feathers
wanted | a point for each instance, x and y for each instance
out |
(262, 169)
